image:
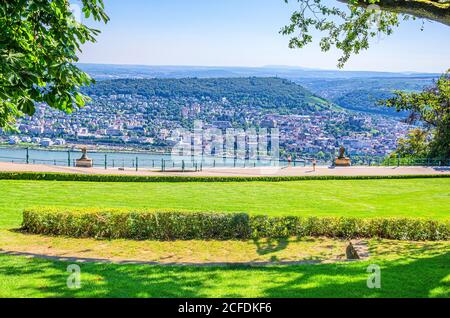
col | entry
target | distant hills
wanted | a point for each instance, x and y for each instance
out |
(106, 71)
(362, 94)
(268, 93)
(353, 90)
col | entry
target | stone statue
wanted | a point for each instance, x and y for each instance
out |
(342, 160)
(84, 151)
(351, 252)
(341, 153)
(84, 161)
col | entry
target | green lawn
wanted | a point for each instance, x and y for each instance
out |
(410, 271)
(361, 198)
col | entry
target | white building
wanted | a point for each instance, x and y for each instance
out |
(83, 132)
(46, 142)
(60, 141)
(13, 140)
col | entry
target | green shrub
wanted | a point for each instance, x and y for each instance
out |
(186, 225)
(155, 225)
(55, 176)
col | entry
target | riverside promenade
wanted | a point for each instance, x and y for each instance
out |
(247, 172)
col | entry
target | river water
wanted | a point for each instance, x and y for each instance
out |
(125, 159)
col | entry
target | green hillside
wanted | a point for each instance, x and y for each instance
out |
(363, 94)
(260, 92)
(361, 100)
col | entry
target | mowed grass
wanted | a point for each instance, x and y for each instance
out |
(428, 198)
(407, 270)
(170, 252)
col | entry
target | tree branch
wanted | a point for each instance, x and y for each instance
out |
(434, 10)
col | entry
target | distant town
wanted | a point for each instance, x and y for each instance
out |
(144, 122)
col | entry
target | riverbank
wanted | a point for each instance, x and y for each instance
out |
(76, 147)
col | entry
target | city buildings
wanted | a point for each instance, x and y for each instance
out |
(137, 121)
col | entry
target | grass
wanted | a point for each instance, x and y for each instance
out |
(195, 251)
(359, 198)
(407, 270)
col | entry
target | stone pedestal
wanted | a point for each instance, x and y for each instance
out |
(84, 161)
(342, 162)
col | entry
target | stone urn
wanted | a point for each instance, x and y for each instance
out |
(84, 161)
(342, 160)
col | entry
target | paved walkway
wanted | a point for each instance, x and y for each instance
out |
(252, 172)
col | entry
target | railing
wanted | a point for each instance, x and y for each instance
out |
(392, 162)
(166, 163)
(141, 160)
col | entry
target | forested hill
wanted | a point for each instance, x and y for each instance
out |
(361, 100)
(261, 92)
(363, 94)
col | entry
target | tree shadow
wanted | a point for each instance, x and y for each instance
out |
(264, 247)
(32, 277)
(386, 248)
(421, 277)
(443, 169)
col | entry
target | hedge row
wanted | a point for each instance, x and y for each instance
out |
(184, 225)
(55, 176)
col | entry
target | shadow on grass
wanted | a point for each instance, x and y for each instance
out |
(264, 247)
(30, 277)
(406, 277)
(408, 249)
(421, 277)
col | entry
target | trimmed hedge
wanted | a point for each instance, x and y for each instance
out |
(56, 176)
(185, 225)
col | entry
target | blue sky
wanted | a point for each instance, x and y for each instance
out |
(246, 33)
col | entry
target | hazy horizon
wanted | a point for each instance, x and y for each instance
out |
(268, 67)
(234, 33)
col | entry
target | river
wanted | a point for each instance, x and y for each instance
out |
(123, 159)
